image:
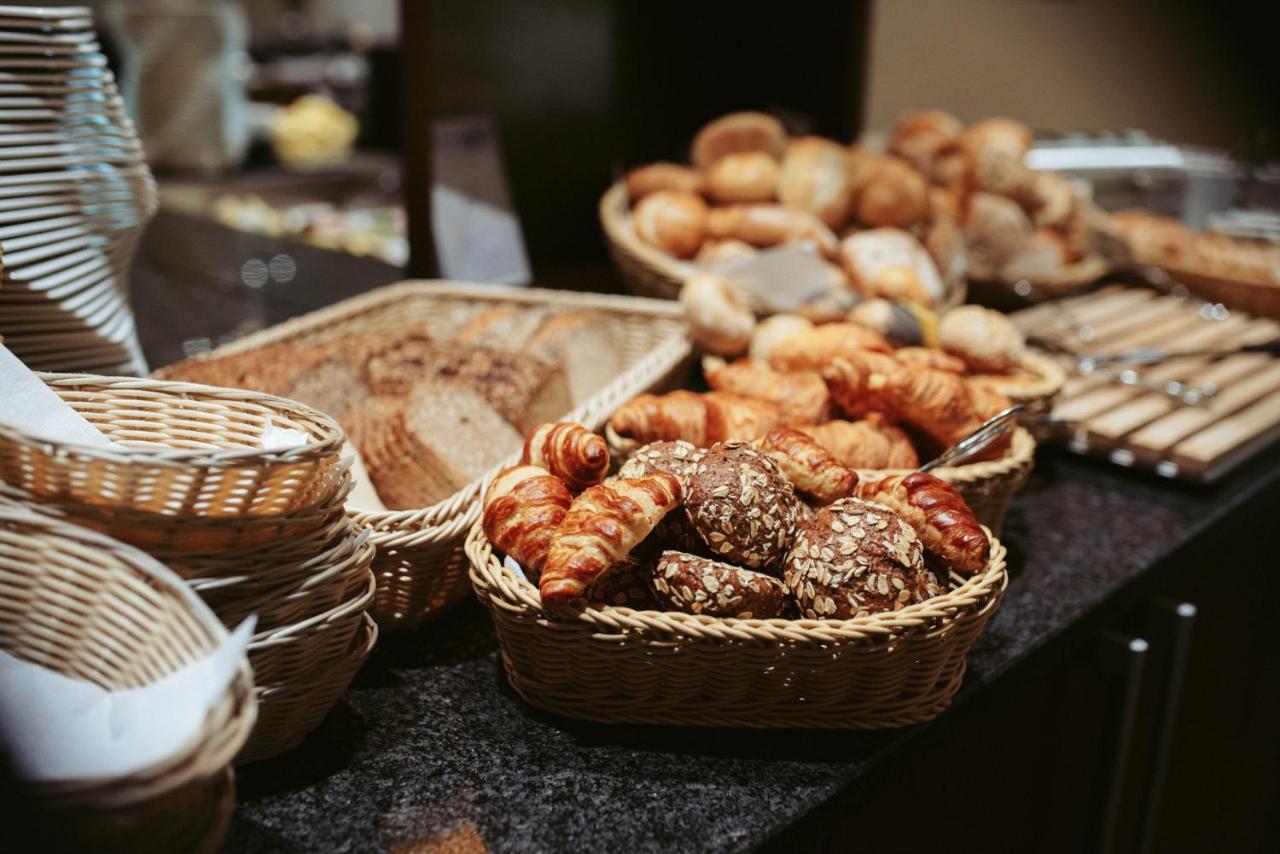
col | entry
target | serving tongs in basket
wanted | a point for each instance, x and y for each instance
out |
(985, 433)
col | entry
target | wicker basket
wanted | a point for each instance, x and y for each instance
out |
(650, 272)
(87, 606)
(420, 565)
(289, 712)
(1036, 397)
(618, 665)
(987, 486)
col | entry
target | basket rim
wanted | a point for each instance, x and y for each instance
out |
(201, 458)
(318, 622)
(491, 580)
(1052, 377)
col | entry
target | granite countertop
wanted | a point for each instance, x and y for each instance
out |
(431, 750)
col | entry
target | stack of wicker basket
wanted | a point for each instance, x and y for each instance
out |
(252, 530)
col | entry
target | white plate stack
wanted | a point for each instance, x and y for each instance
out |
(75, 194)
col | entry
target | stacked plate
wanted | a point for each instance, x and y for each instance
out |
(75, 193)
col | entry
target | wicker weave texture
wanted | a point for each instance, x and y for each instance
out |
(618, 665)
(420, 565)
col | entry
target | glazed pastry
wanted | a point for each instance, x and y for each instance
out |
(939, 403)
(699, 585)
(939, 515)
(522, 509)
(671, 220)
(871, 443)
(771, 330)
(854, 558)
(927, 357)
(656, 177)
(569, 451)
(815, 178)
(719, 318)
(892, 193)
(893, 264)
(718, 251)
(801, 396)
(811, 468)
(770, 225)
(744, 177)
(986, 340)
(673, 457)
(815, 348)
(600, 528)
(738, 132)
(700, 419)
(741, 505)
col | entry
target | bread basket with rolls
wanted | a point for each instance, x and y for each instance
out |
(746, 584)
(511, 357)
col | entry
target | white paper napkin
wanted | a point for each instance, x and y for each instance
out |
(57, 728)
(783, 278)
(31, 406)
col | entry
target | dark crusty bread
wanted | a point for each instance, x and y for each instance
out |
(699, 585)
(741, 505)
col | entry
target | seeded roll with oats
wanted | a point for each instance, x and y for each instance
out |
(938, 513)
(675, 457)
(624, 585)
(855, 558)
(742, 506)
(699, 585)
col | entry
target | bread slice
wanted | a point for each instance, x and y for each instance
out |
(333, 385)
(505, 327)
(582, 342)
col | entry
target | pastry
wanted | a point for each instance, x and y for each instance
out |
(944, 241)
(748, 176)
(811, 468)
(715, 252)
(891, 193)
(719, 318)
(994, 152)
(673, 457)
(815, 178)
(656, 177)
(699, 585)
(854, 558)
(893, 264)
(522, 509)
(1041, 258)
(732, 416)
(738, 132)
(600, 528)
(923, 138)
(986, 340)
(927, 357)
(871, 443)
(569, 451)
(1052, 200)
(801, 396)
(995, 228)
(741, 505)
(939, 403)
(771, 330)
(671, 220)
(770, 225)
(700, 419)
(814, 348)
(939, 515)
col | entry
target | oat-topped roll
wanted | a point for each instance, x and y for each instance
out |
(699, 585)
(741, 505)
(674, 457)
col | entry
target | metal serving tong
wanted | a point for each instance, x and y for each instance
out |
(1144, 356)
(986, 433)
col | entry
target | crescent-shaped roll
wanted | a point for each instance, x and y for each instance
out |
(872, 443)
(522, 509)
(814, 349)
(801, 396)
(938, 513)
(811, 468)
(661, 418)
(601, 527)
(569, 451)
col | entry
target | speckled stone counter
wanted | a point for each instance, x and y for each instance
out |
(431, 750)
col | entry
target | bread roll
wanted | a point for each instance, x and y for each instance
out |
(672, 220)
(741, 505)
(749, 176)
(920, 138)
(770, 225)
(994, 151)
(699, 585)
(986, 340)
(719, 318)
(815, 178)
(656, 177)
(738, 132)
(893, 194)
(771, 330)
(995, 228)
(891, 263)
(1041, 258)
(895, 324)
(1052, 200)
(938, 514)
(715, 252)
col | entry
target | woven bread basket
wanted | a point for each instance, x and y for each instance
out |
(619, 665)
(420, 565)
(650, 272)
(87, 606)
(1037, 396)
(988, 486)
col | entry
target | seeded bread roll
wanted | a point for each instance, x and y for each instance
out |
(674, 457)
(854, 558)
(699, 585)
(741, 505)
(625, 585)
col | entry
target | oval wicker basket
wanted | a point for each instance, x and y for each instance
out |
(619, 665)
(87, 606)
(650, 272)
(1037, 396)
(988, 486)
(420, 565)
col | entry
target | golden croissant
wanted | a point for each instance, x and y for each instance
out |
(522, 509)
(939, 514)
(801, 396)
(569, 451)
(811, 468)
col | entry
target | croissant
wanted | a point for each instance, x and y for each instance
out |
(871, 443)
(801, 396)
(700, 419)
(939, 514)
(600, 528)
(810, 467)
(733, 417)
(927, 357)
(569, 451)
(814, 349)
(522, 509)
(939, 403)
